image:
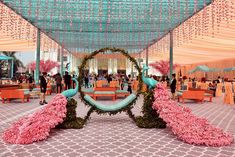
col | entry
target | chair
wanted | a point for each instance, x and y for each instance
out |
(104, 82)
(190, 94)
(190, 85)
(204, 86)
(228, 96)
(24, 85)
(15, 93)
(144, 87)
(135, 85)
(198, 84)
(113, 84)
(99, 83)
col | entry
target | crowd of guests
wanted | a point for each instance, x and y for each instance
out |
(212, 85)
(57, 81)
(124, 79)
(65, 82)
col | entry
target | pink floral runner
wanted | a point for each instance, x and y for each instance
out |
(36, 127)
(185, 125)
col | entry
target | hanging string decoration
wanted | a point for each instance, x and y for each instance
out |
(206, 22)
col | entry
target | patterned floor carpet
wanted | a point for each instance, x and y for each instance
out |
(105, 135)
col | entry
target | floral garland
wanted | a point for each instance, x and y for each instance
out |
(36, 127)
(113, 50)
(185, 125)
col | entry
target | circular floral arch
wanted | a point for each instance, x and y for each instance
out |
(113, 50)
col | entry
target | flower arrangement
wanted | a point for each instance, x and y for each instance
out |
(163, 66)
(36, 127)
(45, 66)
(185, 125)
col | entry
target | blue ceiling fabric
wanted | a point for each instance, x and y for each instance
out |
(203, 68)
(229, 69)
(5, 58)
(88, 25)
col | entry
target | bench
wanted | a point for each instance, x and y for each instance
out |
(48, 91)
(194, 95)
(208, 93)
(89, 92)
(114, 84)
(14, 93)
(36, 92)
(6, 87)
(104, 92)
(104, 89)
(123, 93)
(109, 108)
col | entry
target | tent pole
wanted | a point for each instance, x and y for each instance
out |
(171, 54)
(37, 73)
(62, 61)
(147, 59)
(12, 67)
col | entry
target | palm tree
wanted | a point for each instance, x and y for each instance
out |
(16, 61)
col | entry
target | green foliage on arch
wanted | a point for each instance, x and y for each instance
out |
(81, 76)
(150, 118)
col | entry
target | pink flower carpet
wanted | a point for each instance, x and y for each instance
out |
(36, 126)
(186, 126)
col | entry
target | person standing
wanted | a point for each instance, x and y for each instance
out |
(129, 89)
(109, 79)
(173, 86)
(67, 80)
(92, 80)
(30, 82)
(74, 84)
(30, 79)
(58, 80)
(122, 82)
(86, 81)
(43, 88)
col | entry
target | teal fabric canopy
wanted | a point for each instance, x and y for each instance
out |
(203, 68)
(5, 58)
(88, 25)
(229, 69)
